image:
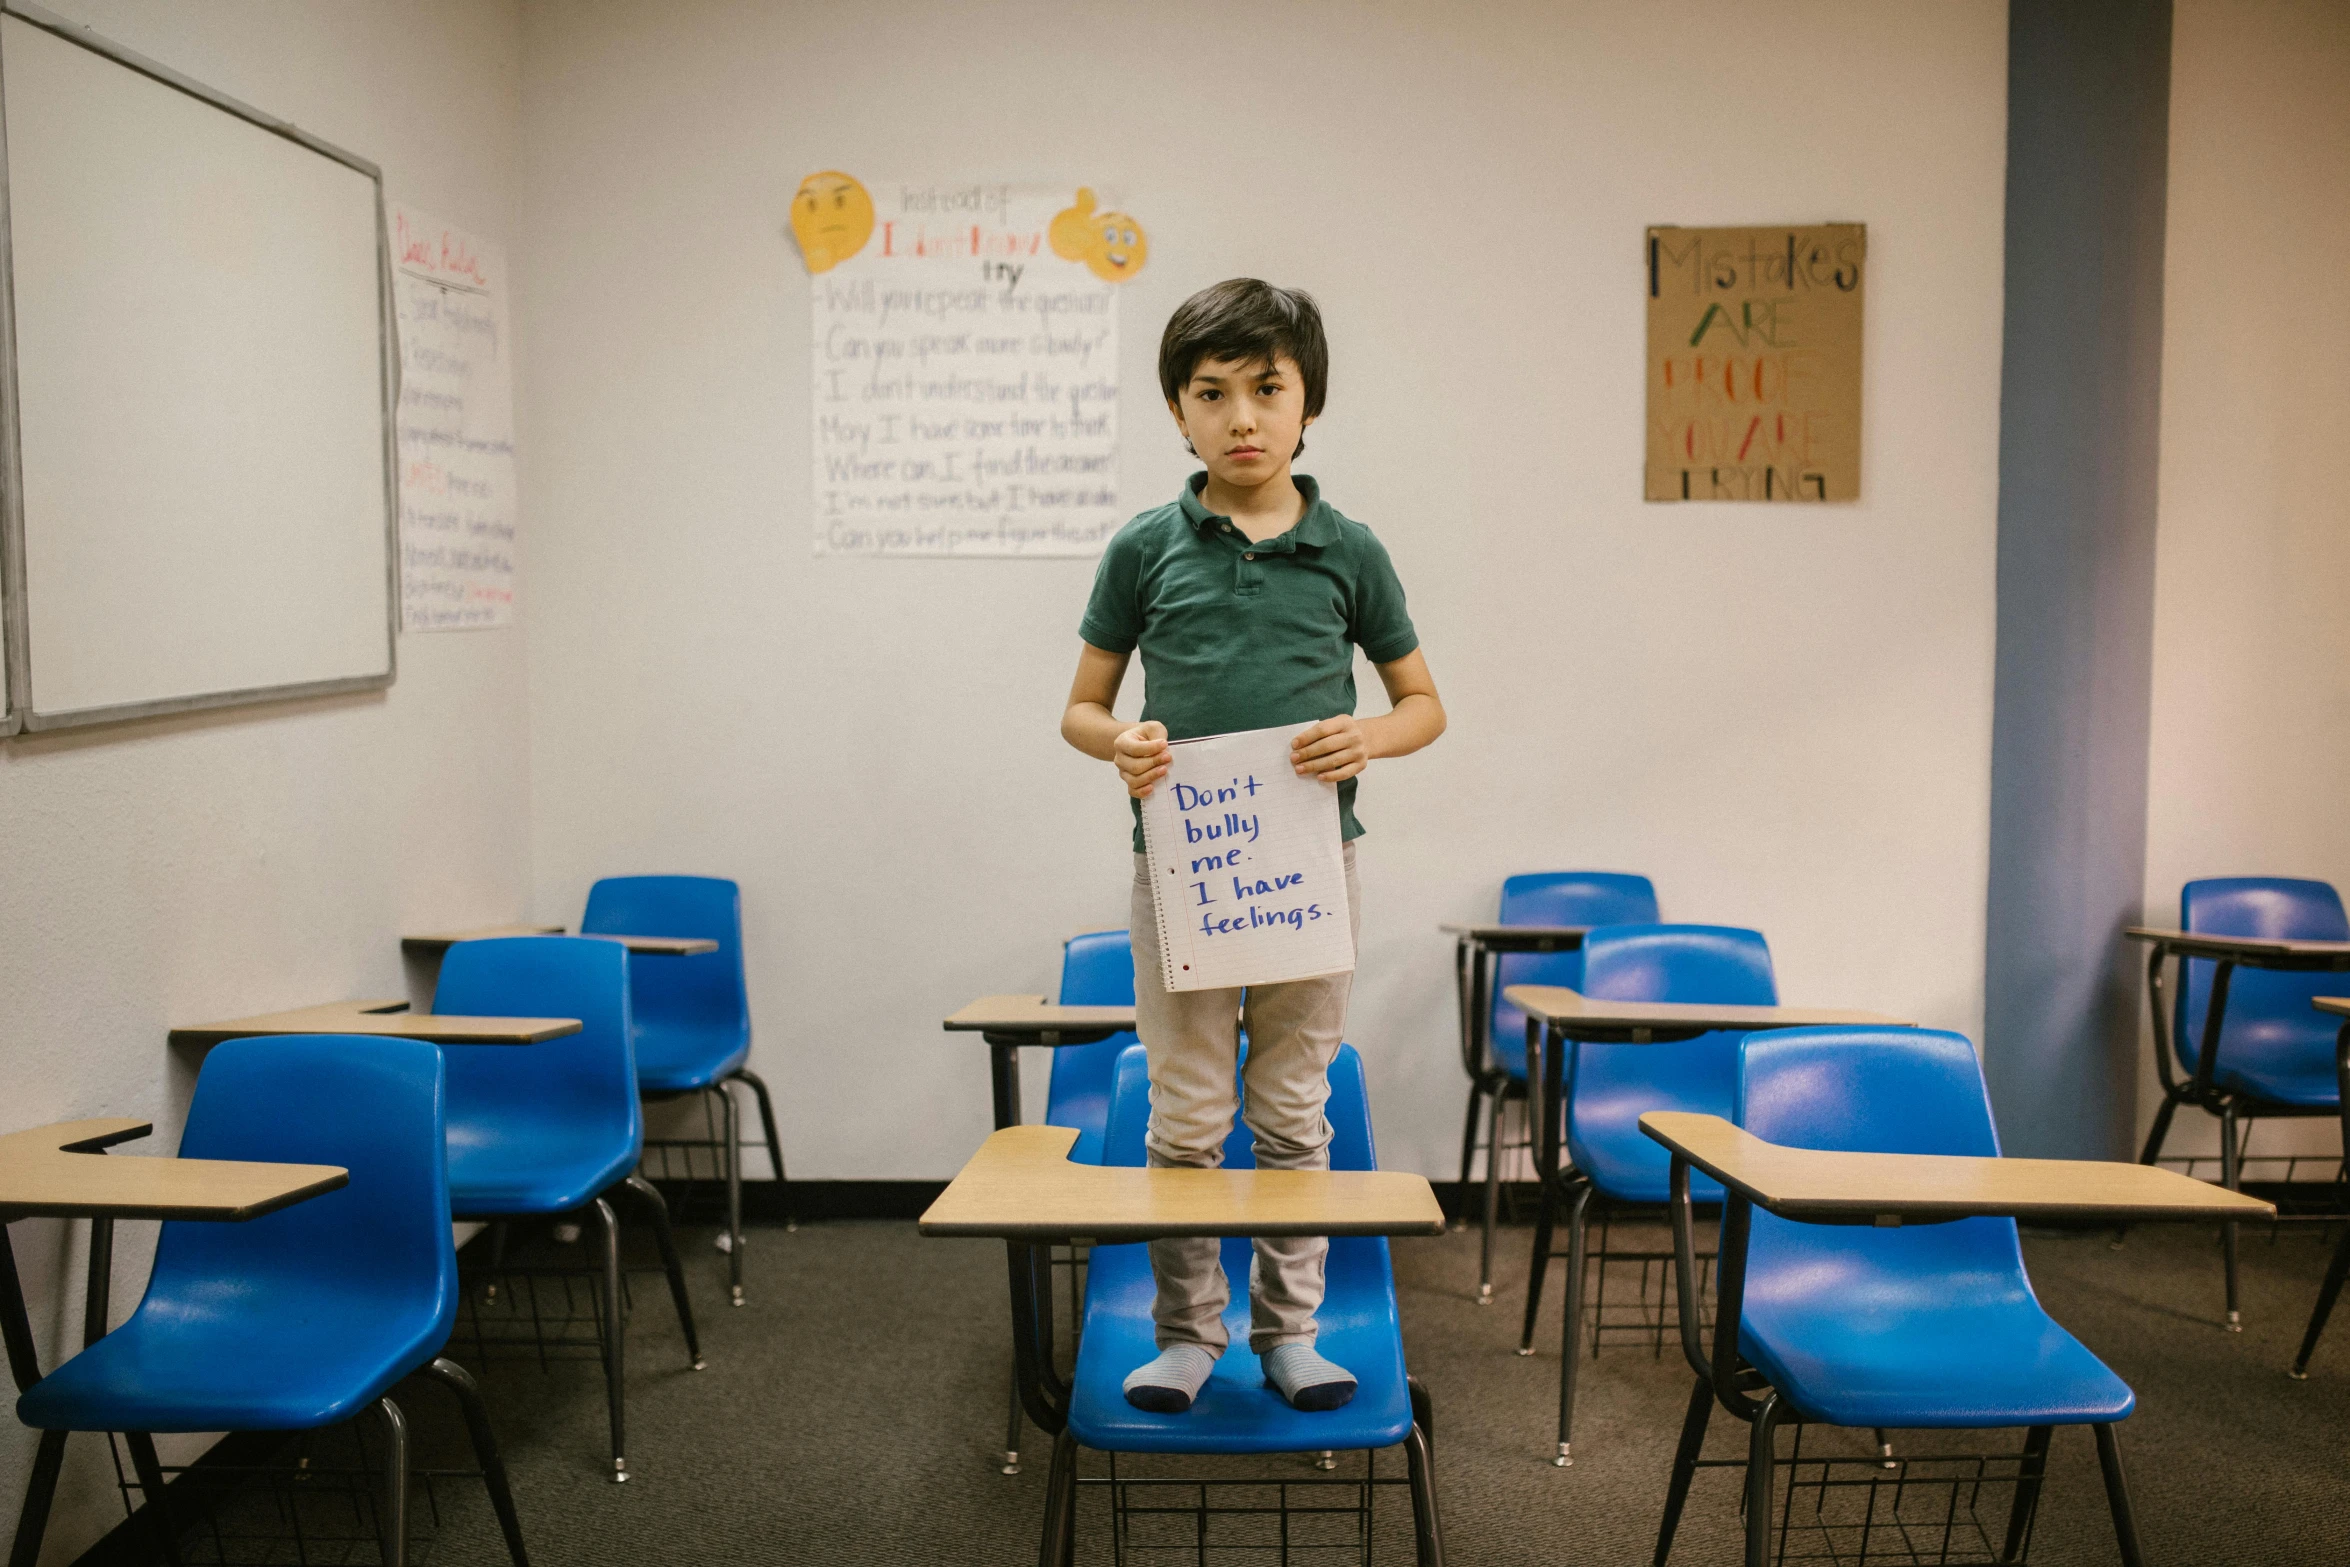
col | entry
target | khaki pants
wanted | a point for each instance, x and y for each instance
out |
(1192, 1037)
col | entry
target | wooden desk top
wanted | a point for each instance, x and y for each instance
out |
(1035, 1015)
(1540, 938)
(2339, 1006)
(1805, 1183)
(660, 946)
(56, 1172)
(389, 1019)
(2250, 950)
(1581, 1016)
(1021, 1185)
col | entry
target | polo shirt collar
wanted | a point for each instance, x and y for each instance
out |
(1318, 526)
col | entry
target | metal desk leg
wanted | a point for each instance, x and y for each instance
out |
(1003, 1064)
(101, 1278)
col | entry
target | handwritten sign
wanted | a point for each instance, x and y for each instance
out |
(965, 367)
(1754, 363)
(456, 427)
(1247, 871)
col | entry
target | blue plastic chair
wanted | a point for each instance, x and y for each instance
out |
(1236, 1412)
(2275, 1055)
(693, 1016)
(1497, 1070)
(1609, 1087)
(1927, 1326)
(308, 1316)
(542, 1130)
(1097, 970)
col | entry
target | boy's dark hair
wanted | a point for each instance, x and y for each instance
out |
(1251, 321)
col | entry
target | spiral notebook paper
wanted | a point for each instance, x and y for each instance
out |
(1247, 873)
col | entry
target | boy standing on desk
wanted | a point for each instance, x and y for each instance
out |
(1247, 596)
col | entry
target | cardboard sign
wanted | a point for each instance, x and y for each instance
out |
(1754, 363)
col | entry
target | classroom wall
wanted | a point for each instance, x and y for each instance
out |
(1783, 714)
(2251, 704)
(2088, 102)
(263, 857)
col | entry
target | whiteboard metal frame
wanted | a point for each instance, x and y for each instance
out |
(21, 715)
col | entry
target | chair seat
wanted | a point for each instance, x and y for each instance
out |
(675, 1058)
(1876, 1334)
(2283, 1060)
(544, 1167)
(257, 1360)
(1237, 1412)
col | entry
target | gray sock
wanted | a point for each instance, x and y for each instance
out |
(1307, 1380)
(1168, 1384)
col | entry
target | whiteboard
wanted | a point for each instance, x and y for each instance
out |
(199, 484)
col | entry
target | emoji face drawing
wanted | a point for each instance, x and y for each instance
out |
(1111, 244)
(832, 217)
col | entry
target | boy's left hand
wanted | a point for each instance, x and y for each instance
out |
(1333, 750)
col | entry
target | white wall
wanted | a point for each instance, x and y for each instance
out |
(1781, 714)
(2251, 732)
(264, 857)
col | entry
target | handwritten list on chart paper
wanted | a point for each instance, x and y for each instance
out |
(965, 382)
(456, 428)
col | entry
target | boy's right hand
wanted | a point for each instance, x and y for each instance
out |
(1141, 755)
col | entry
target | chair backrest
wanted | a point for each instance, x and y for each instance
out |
(704, 992)
(1097, 970)
(582, 1080)
(1348, 1110)
(2256, 906)
(1869, 1090)
(1561, 898)
(1714, 965)
(373, 1106)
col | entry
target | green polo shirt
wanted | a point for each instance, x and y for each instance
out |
(1237, 635)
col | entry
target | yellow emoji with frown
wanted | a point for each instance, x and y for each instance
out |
(832, 216)
(1111, 244)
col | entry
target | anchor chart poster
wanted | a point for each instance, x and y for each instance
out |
(1754, 363)
(963, 364)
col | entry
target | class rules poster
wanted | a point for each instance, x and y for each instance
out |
(1754, 363)
(964, 365)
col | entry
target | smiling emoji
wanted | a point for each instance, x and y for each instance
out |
(1111, 244)
(832, 217)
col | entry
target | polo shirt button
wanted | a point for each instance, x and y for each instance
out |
(1248, 557)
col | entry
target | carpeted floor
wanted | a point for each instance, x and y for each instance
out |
(851, 1411)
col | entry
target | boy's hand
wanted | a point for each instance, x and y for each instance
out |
(1332, 750)
(1141, 755)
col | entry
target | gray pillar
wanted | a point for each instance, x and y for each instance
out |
(2088, 116)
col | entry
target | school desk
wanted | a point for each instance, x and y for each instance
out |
(1009, 1022)
(2228, 953)
(1022, 1187)
(652, 946)
(1885, 1190)
(1475, 947)
(2202, 1090)
(387, 1019)
(60, 1172)
(1476, 952)
(1891, 1189)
